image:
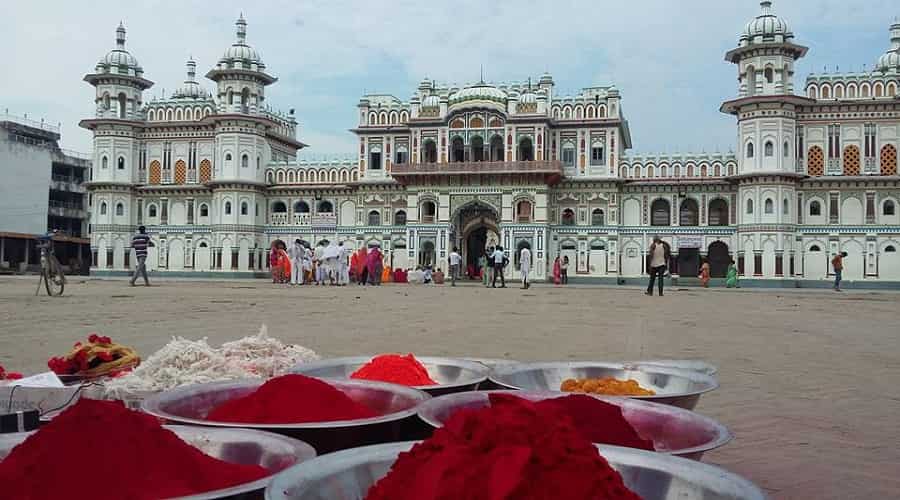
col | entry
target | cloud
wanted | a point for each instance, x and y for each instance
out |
(665, 56)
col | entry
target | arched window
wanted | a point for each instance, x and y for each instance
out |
(815, 208)
(690, 213)
(204, 210)
(497, 148)
(770, 75)
(245, 210)
(811, 93)
(301, 207)
(749, 150)
(151, 211)
(526, 149)
(227, 208)
(227, 156)
(430, 151)
(890, 249)
(786, 149)
(245, 99)
(325, 207)
(374, 218)
(428, 212)
(457, 150)
(749, 207)
(770, 149)
(568, 217)
(718, 212)
(400, 218)
(477, 148)
(598, 218)
(120, 209)
(660, 213)
(751, 80)
(888, 208)
(523, 211)
(815, 248)
(279, 207)
(786, 207)
(106, 101)
(826, 92)
(104, 163)
(122, 102)
(245, 161)
(120, 163)
(103, 208)
(769, 207)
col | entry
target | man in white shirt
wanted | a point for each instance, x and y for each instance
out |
(500, 261)
(343, 264)
(296, 253)
(319, 261)
(525, 266)
(455, 260)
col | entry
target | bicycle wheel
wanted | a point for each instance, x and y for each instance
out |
(54, 279)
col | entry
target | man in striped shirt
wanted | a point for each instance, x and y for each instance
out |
(139, 243)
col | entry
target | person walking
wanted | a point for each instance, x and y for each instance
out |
(657, 262)
(557, 271)
(319, 261)
(704, 273)
(525, 266)
(489, 266)
(343, 264)
(500, 261)
(564, 270)
(374, 266)
(483, 269)
(838, 264)
(455, 260)
(140, 242)
(297, 253)
(731, 276)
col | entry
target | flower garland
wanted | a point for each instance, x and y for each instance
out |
(97, 357)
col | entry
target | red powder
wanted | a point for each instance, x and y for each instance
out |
(100, 450)
(514, 450)
(598, 421)
(395, 368)
(291, 399)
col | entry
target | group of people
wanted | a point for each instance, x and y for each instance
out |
(658, 259)
(299, 264)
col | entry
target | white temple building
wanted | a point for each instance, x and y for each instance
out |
(215, 174)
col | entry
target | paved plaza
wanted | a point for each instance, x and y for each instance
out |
(809, 379)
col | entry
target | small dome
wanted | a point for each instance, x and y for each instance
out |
(240, 51)
(528, 97)
(890, 60)
(766, 25)
(190, 89)
(120, 60)
(431, 101)
(479, 92)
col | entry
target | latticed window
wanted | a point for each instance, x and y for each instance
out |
(816, 162)
(889, 160)
(851, 160)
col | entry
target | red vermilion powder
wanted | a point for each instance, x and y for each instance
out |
(598, 421)
(513, 451)
(291, 399)
(99, 450)
(395, 368)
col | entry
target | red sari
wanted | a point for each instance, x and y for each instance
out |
(557, 272)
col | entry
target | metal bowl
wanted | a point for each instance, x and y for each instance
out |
(694, 365)
(239, 446)
(395, 404)
(349, 474)
(674, 431)
(494, 362)
(672, 386)
(451, 374)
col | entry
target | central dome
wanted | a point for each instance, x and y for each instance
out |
(479, 92)
(190, 89)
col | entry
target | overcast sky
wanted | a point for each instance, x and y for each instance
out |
(665, 56)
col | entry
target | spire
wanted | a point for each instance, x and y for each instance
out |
(766, 6)
(120, 36)
(481, 80)
(241, 29)
(191, 69)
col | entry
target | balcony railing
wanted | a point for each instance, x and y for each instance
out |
(301, 219)
(478, 167)
(279, 219)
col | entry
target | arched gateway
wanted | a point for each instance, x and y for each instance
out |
(475, 228)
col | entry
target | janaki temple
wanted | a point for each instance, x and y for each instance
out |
(214, 173)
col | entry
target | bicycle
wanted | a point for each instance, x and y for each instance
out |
(52, 274)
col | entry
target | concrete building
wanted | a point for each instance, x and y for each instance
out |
(216, 176)
(44, 190)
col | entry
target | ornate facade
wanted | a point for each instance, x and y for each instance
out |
(216, 176)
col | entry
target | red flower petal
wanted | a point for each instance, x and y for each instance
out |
(14, 376)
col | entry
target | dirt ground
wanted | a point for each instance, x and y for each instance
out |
(809, 380)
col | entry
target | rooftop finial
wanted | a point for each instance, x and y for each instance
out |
(241, 29)
(482, 74)
(191, 68)
(120, 35)
(766, 7)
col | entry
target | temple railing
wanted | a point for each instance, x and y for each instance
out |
(478, 167)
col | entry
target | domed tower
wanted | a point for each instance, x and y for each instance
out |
(766, 112)
(119, 84)
(190, 89)
(889, 62)
(241, 76)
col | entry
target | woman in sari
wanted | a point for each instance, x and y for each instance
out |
(704, 273)
(374, 266)
(274, 266)
(731, 276)
(362, 257)
(557, 271)
(284, 261)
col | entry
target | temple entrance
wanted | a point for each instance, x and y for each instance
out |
(719, 259)
(475, 230)
(688, 261)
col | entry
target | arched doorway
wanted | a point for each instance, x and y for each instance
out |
(426, 254)
(496, 148)
(477, 148)
(719, 258)
(476, 229)
(526, 150)
(457, 150)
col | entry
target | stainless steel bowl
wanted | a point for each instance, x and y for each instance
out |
(451, 374)
(348, 475)
(695, 365)
(674, 431)
(494, 362)
(395, 404)
(672, 386)
(239, 446)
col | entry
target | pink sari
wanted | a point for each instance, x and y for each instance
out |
(557, 272)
